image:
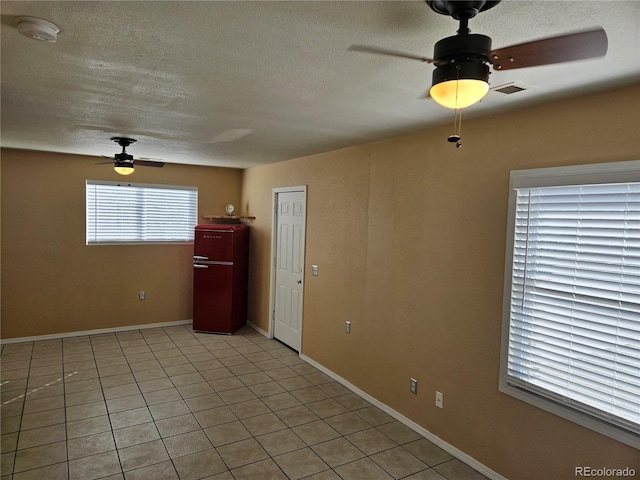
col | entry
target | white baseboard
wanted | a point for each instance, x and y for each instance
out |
(55, 336)
(259, 330)
(459, 454)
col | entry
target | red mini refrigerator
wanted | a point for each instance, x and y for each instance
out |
(220, 274)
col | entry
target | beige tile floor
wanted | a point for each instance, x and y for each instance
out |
(168, 403)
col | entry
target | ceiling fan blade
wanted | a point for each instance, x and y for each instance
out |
(547, 51)
(391, 53)
(147, 163)
(105, 163)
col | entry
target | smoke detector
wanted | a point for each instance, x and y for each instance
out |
(37, 29)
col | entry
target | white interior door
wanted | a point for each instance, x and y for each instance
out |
(289, 267)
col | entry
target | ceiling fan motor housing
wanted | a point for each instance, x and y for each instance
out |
(123, 157)
(462, 47)
(461, 57)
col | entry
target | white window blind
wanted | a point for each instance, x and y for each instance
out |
(124, 213)
(574, 299)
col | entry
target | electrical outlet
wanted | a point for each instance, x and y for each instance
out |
(413, 386)
(141, 295)
(439, 399)
(348, 326)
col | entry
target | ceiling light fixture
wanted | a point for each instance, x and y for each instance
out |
(123, 168)
(460, 84)
(461, 77)
(37, 29)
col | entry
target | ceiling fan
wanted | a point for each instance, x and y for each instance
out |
(123, 163)
(461, 76)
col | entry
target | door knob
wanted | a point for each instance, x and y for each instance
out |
(299, 282)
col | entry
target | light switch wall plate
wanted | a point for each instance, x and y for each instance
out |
(413, 386)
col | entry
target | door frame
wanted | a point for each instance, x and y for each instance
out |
(274, 248)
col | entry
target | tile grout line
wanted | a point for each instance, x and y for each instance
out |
(115, 446)
(24, 403)
(64, 403)
(146, 403)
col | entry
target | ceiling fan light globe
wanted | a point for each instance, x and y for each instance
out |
(123, 170)
(460, 84)
(459, 93)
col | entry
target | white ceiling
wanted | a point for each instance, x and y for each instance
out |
(244, 83)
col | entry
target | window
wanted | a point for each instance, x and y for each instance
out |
(571, 318)
(124, 213)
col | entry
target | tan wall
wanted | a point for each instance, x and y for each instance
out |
(53, 283)
(409, 235)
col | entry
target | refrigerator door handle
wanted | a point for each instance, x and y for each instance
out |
(200, 257)
(205, 263)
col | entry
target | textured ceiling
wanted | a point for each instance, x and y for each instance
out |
(244, 83)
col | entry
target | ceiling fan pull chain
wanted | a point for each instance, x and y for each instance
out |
(457, 117)
(457, 128)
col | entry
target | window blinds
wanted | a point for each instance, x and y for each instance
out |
(122, 213)
(574, 331)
